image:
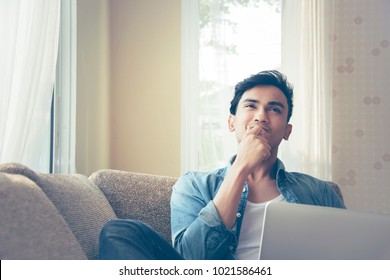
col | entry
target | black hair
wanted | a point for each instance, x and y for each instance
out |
(264, 78)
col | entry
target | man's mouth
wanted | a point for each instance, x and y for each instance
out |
(263, 127)
(266, 129)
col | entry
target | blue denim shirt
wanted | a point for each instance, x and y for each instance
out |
(198, 231)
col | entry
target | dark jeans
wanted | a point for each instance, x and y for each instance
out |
(133, 240)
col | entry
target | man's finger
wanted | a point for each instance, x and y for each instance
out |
(254, 128)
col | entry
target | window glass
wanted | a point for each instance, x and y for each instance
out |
(237, 38)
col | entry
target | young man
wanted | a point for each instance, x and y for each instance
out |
(218, 215)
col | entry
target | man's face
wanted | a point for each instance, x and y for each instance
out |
(267, 107)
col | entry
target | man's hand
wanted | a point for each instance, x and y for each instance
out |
(253, 148)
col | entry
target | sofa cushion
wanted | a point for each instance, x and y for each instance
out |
(31, 227)
(138, 196)
(78, 200)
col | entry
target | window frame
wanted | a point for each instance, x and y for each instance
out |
(63, 134)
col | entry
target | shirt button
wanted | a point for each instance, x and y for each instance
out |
(243, 190)
(238, 215)
(230, 248)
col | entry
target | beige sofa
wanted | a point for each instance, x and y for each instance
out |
(51, 216)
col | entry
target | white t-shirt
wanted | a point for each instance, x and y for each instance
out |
(249, 241)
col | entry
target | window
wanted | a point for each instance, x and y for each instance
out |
(235, 39)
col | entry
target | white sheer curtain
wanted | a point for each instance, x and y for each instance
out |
(307, 61)
(29, 31)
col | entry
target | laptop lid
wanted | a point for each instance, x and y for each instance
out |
(304, 232)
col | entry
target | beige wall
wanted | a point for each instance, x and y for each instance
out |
(129, 86)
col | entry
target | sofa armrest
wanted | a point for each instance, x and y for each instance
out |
(138, 196)
(80, 202)
(31, 228)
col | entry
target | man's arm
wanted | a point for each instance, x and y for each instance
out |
(197, 229)
(203, 225)
(252, 150)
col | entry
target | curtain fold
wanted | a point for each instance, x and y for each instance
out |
(307, 61)
(29, 32)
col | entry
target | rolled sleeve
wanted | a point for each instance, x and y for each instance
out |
(197, 229)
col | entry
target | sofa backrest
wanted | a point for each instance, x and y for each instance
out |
(138, 196)
(143, 197)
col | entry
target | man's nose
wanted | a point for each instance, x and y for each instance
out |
(261, 116)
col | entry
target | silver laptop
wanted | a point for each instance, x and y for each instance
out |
(305, 232)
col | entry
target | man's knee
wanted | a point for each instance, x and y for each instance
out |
(121, 228)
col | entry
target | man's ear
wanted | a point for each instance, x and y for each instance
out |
(287, 132)
(231, 121)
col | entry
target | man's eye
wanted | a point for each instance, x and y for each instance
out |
(249, 106)
(276, 110)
